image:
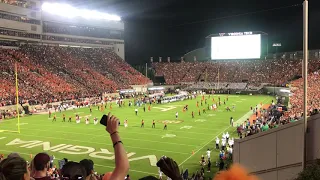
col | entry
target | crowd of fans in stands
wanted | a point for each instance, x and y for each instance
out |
(48, 73)
(276, 116)
(275, 72)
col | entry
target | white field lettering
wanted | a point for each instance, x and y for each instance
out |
(76, 150)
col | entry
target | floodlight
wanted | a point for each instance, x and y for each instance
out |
(67, 10)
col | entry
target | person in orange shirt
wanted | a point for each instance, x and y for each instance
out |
(149, 108)
(63, 118)
(110, 106)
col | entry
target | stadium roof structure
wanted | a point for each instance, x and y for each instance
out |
(69, 11)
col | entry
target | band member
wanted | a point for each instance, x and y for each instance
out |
(142, 123)
(95, 121)
(165, 126)
(153, 124)
(125, 123)
(54, 118)
(63, 118)
(77, 119)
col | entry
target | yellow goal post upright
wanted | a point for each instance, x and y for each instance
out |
(17, 104)
(17, 96)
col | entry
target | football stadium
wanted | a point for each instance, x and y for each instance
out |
(74, 105)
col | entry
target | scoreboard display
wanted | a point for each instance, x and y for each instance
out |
(237, 45)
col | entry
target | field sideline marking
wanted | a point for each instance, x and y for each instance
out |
(94, 164)
(106, 144)
(244, 116)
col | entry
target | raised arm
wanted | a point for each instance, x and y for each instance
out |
(121, 158)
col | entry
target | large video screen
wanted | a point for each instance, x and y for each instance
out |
(236, 47)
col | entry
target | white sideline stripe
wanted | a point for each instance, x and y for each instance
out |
(243, 117)
(3, 137)
(106, 144)
(21, 124)
(94, 164)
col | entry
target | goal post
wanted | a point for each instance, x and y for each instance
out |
(15, 122)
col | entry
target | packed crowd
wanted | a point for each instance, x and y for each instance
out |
(47, 73)
(277, 114)
(296, 100)
(275, 72)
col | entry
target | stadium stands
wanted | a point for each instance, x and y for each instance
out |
(272, 117)
(48, 73)
(254, 72)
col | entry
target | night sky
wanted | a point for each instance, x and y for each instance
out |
(175, 27)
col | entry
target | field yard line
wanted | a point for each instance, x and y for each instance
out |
(101, 135)
(143, 172)
(106, 144)
(243, 117)
(154, 141)
(138, 126)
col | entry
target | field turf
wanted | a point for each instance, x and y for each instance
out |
(143, 145)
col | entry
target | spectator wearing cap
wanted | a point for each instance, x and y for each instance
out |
(88, 166)
(14, 168)
(41, 163)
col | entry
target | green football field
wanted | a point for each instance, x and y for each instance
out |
(143, 145)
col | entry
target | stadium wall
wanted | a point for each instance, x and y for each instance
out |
(140, 88)
(119, 50)
(277, 153)
(16, 10)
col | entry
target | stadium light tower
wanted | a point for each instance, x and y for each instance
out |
(305, 80)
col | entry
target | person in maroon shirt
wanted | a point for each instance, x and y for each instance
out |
(41, 164)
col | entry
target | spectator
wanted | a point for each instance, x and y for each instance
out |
(14, 168)
(88, 165)
(236, 172)
(73, 171)
(41, 164)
